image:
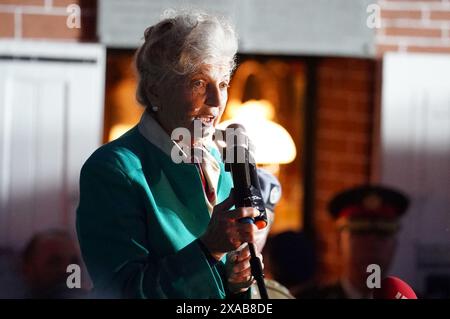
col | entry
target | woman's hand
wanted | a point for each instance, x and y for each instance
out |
(225, 233)
(260, 238)
(239, 271)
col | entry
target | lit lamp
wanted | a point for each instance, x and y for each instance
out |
(273, 144)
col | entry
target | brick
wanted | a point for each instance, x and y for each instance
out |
(338, 104)
(401, 14)
(343, 102)
(438, 49)
(351, 173)
(354, 98)
(348, 113)
(346, 146)
(361, 100)
(345, 64)
(359, 108)
(347, 180)
(414, 32)
(331, 113)
(336, 186)
(332, 182)
(48, 27)
(341, 157)
(360, 148)
(383, 48)
(347, 125)
(345, 169)
(84, 4)
(345, 98)
(325, 133)
(65, 3)
(353, 71)
(6, 25)
(440, 15)
(351, 170)
(331, 146)
(23, 2)
(339, 139)
(345, 85)
(331, 73)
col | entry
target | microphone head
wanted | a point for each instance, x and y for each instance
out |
(394, 288)
(236, 126)
(236, 135)
(237, 142)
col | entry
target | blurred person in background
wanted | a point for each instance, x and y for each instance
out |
(44, 265)
(368, 219)
(11, 283)
(290, 259)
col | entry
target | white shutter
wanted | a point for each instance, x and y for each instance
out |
(415, 150)
(51, 120)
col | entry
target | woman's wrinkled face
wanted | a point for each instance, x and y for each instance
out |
(199, 97)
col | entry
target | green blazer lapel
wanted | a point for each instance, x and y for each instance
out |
(184, 180)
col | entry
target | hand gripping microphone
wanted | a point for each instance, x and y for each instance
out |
(394, 288)
(239, 161)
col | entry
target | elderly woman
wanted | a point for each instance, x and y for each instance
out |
(148, 225)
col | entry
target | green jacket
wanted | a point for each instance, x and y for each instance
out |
(138, 219)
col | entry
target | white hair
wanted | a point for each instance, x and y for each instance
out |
(179, 45)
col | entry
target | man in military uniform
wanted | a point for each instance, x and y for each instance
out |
(367, 219)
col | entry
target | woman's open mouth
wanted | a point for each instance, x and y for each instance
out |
(206, 120)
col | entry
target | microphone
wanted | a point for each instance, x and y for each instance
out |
(394, 288)
(239, 161)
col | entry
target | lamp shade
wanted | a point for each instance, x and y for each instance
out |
(273, 144)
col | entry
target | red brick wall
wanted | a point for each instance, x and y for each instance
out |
(46, 19)
(343, 147)
(414, 26)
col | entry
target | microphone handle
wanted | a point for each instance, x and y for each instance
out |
(257, 272)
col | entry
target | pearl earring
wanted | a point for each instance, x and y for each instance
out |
(155, 108)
